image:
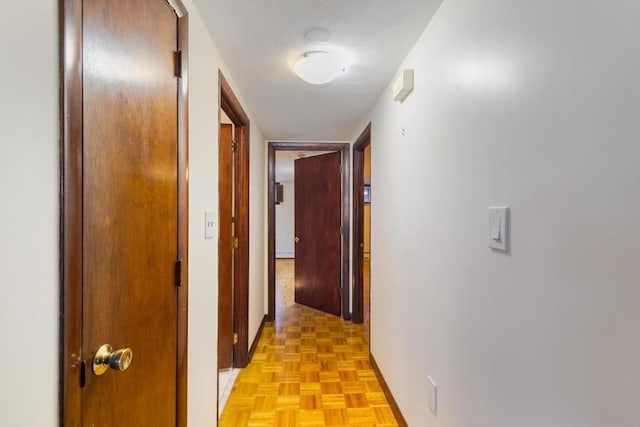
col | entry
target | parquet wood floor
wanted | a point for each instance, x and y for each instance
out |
(309, 369)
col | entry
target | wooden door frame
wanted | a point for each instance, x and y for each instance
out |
(72, 366)
(226, 181)
(271, 217)
(230, 104)
(363, 141)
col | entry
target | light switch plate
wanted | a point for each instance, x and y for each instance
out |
(498, 227)
(433, 396)
(209, 225)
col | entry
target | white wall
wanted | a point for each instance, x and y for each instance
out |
(29, 213)
(285, 222)
(29, 217)
(533, 105)
(204, 62)
(203, 196)
(257, 229)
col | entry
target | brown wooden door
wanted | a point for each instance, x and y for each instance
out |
(317, 230)
(225, 247)
(130, 213)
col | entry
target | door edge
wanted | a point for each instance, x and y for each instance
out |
(230, 104)
(363, 141)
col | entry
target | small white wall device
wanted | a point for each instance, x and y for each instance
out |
(498, 227)
(403, 86)
(209, 225)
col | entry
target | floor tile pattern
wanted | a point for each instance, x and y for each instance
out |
(285, 283)
(309, 369)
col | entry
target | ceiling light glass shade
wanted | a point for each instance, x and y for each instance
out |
(320, 67)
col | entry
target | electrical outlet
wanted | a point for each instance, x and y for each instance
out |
(433, 396)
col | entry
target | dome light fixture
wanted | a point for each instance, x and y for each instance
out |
(322, 63)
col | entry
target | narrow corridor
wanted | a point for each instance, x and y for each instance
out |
(309, 369)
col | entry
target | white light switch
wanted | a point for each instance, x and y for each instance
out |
(433, 396)
(209, 225)
(495, 228)
(498, 217)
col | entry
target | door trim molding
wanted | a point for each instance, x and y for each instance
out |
(363, 141)
(230, 104)
(70, 22)
(71, 213)
(183, 211)
(345, 149)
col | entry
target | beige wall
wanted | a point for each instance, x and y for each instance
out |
(29, 213)
(285, 222)
(533, 105)
(29, 217)
(204, 62)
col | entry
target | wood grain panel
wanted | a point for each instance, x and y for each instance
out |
(230, 104)
(358, 223)
(241, 254)
(71, 212)
(317, 203)
(71, 50)
(271, 233)
(183, 209)
(225, 247)
(130, 212)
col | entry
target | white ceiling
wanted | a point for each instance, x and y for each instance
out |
(260, 40)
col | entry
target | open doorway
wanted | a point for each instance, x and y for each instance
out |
(233, 240)
(362, 195)
(308, 208)
(283, 255)
(285, 227)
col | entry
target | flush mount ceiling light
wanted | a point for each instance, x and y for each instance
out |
(322, 63)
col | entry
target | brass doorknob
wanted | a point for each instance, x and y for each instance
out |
(297, 239)
(105, 358)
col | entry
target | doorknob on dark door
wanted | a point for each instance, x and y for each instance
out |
(297, 239)
(105, 358)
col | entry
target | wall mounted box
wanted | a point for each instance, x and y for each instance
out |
(403, 85)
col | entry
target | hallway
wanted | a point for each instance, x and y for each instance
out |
(309, 369)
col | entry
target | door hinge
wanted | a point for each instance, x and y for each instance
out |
(235, 338)
(178, 273)
(236, 242)
(83, 373)
(178, 63)
(234, 146)
(340, 169)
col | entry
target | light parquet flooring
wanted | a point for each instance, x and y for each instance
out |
(309, 369)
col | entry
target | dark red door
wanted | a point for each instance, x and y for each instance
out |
(317, 229)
